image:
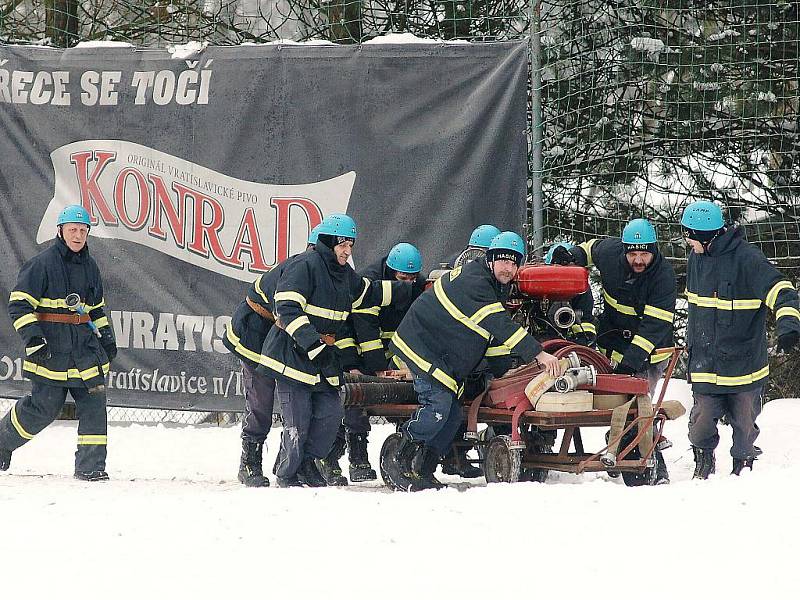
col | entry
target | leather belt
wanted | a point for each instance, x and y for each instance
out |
(260, 310)
(72, 318)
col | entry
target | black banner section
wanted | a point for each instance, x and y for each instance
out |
(202, 171)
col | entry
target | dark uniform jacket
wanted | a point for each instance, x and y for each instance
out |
(313, 297)
(639, 310)
(78, 358)
(446, 332)
(584, 331)
(375, 325)
(730, 289)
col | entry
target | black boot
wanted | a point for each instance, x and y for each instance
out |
(661, 475)
(91, 475)
(704, 463)
(741, 463)
(309, 475)
(329, 467)
(5, 459)
(250, 472)
(424, 465)
(457, 463)
(360, 469)
(402, 472)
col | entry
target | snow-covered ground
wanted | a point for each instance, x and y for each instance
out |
(174, 522)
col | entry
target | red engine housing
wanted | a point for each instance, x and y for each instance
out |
(553, 282)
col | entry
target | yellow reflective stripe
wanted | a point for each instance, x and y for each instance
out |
(291, 297)
(300, 375)
(487, 310)
(92, 440)
(516, 338)
(586, 327)
(416, 358)
(371, 345)
(772, 295)
(259, 291)
(312, 354)
(360, 299)
(451, 308)
(659, 313)
(703, 301)
(297, 324)
(326, 313)
(722, 304)
(398, 362)
(715, 379)
(24, 320)
(500, 350)
(615, 356)
(386, 287)
(17, 295)
(344, 343)
(623, 308)
(91, 308)
(787, 311)
(53, 303)
(587, 247)
(375, 310)
(101, 322)
(657, 358)
(18, 426)
(85, 375)
(445, 379)
(455, 273)
(271, 363)
(334, 381)
(387, 335)
(643, 343)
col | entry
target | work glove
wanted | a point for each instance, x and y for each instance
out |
(108, 343)
(787, 341)
(624, 369)
(324, 358)
(562, 256)
(37, 348)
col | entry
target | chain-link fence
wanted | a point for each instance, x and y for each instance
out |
(637, 106)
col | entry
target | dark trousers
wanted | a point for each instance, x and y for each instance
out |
(310, 422)
(356, 420)
(436, 421)
(742, 409)
(33, 413)
(259, 402)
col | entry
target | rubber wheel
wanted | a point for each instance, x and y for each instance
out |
(502, 462)
(388, 451)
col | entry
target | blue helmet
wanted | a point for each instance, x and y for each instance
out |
(338, 225)
(313, 235)
(703, 216)
(548, 258)
(507, 245)
(640, 236)
(74, 213)
(404, 258)
(483, 235)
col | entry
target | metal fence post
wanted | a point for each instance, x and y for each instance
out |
(535, 44)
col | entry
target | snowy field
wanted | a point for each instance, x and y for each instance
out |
(174, 522)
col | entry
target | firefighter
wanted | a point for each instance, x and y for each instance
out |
(479, 241)
(312, 301)
(639, 293)
(583, 331)
(244, 337)
(373, 327)
(442, 338)
(730, 286)
(57, 308)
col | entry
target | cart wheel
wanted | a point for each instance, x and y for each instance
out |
(387, 464)
(502, 462)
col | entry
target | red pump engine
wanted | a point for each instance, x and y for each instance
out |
(552, 282)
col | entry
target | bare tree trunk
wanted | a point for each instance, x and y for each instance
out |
(61, 24)
(344, 19)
